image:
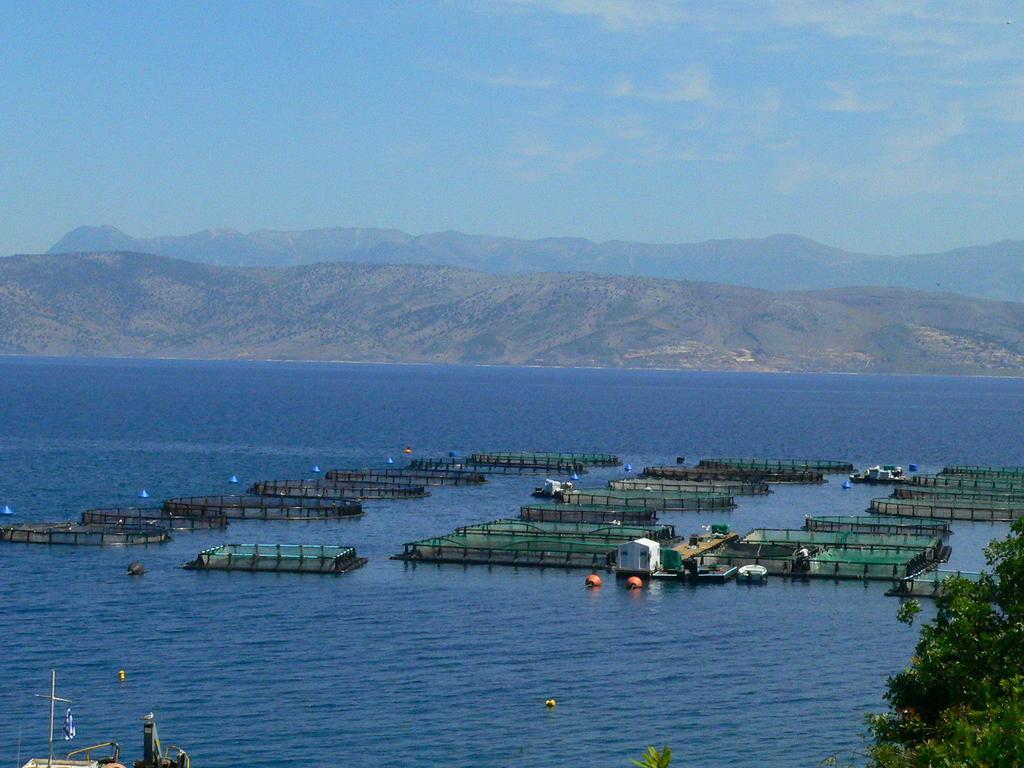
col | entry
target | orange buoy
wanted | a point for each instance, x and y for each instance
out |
(593, 580)
(634, 582)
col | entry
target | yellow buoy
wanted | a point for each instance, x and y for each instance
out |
(121, 675)
(550, 703)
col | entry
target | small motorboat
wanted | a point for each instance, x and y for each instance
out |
(752, 572)
(887, 474)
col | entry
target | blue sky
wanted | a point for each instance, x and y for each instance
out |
(884, 127)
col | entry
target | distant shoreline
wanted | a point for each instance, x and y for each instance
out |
(5, 356)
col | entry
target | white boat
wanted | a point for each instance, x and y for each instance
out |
(880, 475)
(753, 572)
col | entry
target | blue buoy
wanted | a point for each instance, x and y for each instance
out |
(914, 467)
(143, 494)
(6, 510)
(316, 468)
(233, 479)
(390, 460)
(847, 485)
(452, 454)
(575, 476)
(629, 467)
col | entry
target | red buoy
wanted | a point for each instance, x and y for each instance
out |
(634, 582)
(593, 580)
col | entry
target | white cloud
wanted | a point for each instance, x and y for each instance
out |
(616, 14)
(846, 99)
(690, 84)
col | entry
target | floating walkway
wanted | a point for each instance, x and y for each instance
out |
(330, 489)
(264, 507)
(662, 502)
(951, 508)
(701, 474)
(79, 535)
(409, 476)
(587, 513)
(876, 524)
(279, 558)
(660, 485)
(142, 516)
(827, 466)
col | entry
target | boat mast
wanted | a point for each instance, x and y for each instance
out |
(53, 702)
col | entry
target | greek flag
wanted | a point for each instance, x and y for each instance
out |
(69, 726)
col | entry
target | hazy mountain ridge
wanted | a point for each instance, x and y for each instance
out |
(780, 262)
(127, 304)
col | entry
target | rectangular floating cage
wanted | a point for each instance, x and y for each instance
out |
(832, 562)
(660, 501)
(545, 458)
(859, 539)
(927, 492)
(79, 535)
(588, 513)
(279, 558)
(876, 524)
(735, 473)
(978, 471)
(264, 507)
(152, 516)
(475, 548)
(730, 487)
(411, 476)
(612, 532)
(465, 465)
(1007, 484)
(828, 466)
(950, 508)
(930, 583)
(330, 489)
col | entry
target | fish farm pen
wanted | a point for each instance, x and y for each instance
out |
(1008, 484)
(775, 465)
(410, 476)
(976, 471)
(928, 492)
(832, 562)
(544, 458)
(731, 487)
(951, 508)
(591, 531)
(264, 507)
(587, 513)
(279, 558)
(930, 544)
(152, 516)
(735, 473)
(876, 524)
(77, 534)
(928, 583)
(566, 467)
(662, 502)
(328, 489)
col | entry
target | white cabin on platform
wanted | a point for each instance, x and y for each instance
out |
(639, 556)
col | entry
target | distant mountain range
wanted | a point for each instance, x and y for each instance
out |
(781, 262)
(131, 304)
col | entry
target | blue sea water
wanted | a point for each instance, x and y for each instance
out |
(445, 665)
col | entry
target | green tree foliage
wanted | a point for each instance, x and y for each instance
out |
(961, 701)
(652, 758)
